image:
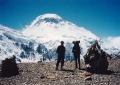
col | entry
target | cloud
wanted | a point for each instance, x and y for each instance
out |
(115, 41)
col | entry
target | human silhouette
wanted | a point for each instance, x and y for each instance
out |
(61, 53)
(76, 52)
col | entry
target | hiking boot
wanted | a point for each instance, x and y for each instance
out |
(62, 69)
(56, 69)
(79, 68)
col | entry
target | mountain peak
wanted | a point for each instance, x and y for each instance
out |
(52, 26)
(48, 15)
(52, 18)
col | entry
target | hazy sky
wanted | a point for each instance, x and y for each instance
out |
(101, 17)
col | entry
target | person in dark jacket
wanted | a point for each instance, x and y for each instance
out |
(61, 53)
(76, 52)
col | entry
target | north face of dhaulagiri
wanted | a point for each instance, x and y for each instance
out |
(38, 40)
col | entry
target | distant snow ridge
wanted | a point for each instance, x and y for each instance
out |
(14, 43)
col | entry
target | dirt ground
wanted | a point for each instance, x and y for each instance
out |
(44, 73)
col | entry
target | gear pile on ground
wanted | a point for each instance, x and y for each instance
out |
(96, 59)
(9, 67)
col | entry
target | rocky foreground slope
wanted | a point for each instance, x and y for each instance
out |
(44, 73)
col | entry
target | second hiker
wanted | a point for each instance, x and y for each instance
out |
(76, 52)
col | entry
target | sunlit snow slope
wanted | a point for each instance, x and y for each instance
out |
(15, 43)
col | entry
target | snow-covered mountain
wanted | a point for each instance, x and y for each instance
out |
(50, 29)
(39, 39)
(13, 42)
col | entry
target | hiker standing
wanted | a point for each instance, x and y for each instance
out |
(76, 52)
(61, 53)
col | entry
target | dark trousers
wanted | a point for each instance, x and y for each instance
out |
(77, 60)
(60, 59)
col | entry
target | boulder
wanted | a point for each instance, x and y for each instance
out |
(9, 68)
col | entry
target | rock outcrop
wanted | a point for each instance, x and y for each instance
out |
(96, 59)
